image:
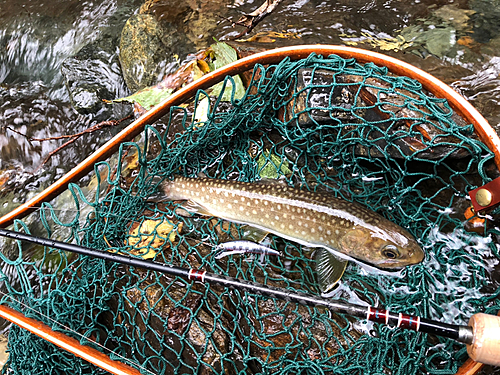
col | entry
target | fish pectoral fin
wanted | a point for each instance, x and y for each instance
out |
(156, 197)
(253, 234)
(194, 207)
(329, 268)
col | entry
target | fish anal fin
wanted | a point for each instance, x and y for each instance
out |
(329, 268)
(253, 234)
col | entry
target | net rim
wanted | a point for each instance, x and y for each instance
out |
(485, 132)
(437, 87)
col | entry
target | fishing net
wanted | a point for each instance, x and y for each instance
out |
(324, 124)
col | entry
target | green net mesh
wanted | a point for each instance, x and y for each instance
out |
(326, 124)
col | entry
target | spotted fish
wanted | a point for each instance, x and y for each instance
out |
(345, 229)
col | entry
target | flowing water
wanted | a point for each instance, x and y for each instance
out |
(41, 41)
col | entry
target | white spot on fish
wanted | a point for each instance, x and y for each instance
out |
(229, 205)
(337, 232)
(313, 230)
(242, 208)
(329, 232)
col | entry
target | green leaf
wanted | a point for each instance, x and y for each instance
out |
(271, 166)
(225, 54)
(147, 97)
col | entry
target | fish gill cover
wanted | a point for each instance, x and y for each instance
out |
(323, 124)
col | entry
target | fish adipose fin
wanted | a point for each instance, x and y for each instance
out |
(329, 269)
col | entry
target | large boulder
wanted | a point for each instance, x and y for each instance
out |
(146, 47)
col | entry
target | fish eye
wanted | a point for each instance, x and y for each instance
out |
(391, 252)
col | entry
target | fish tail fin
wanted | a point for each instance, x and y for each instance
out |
(329, 269)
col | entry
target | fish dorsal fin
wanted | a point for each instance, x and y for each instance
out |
(253, 234)
(329, 268)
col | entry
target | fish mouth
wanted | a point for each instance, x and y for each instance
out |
(399, 264)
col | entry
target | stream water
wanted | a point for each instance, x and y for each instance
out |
(44, 45)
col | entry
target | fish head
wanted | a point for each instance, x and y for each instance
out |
(389, 248)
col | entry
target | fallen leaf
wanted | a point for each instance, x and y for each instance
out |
(458, 18)
(267, 37)
(153, 95)
(151, 235)
(225, 54)
(201, 111)
(270, 164)
(147, 97)
(467, 41)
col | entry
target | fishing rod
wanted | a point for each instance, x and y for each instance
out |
(482, 335)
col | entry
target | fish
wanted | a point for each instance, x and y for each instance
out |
(347, 230)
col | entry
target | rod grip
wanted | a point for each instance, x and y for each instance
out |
(485, 347)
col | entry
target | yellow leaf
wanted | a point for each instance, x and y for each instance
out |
(150, 235)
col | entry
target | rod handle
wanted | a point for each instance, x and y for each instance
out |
(485, 347)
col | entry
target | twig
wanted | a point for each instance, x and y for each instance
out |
(72, 137)
(93, 128)
(17, 132)
(249, 21)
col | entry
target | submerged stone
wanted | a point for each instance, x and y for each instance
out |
(92, 76)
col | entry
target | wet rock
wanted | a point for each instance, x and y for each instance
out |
(196, 20)
(146, 47)
(177, 322)
(91, 77)
(486, 26)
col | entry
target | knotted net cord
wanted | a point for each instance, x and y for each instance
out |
(326, 124)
